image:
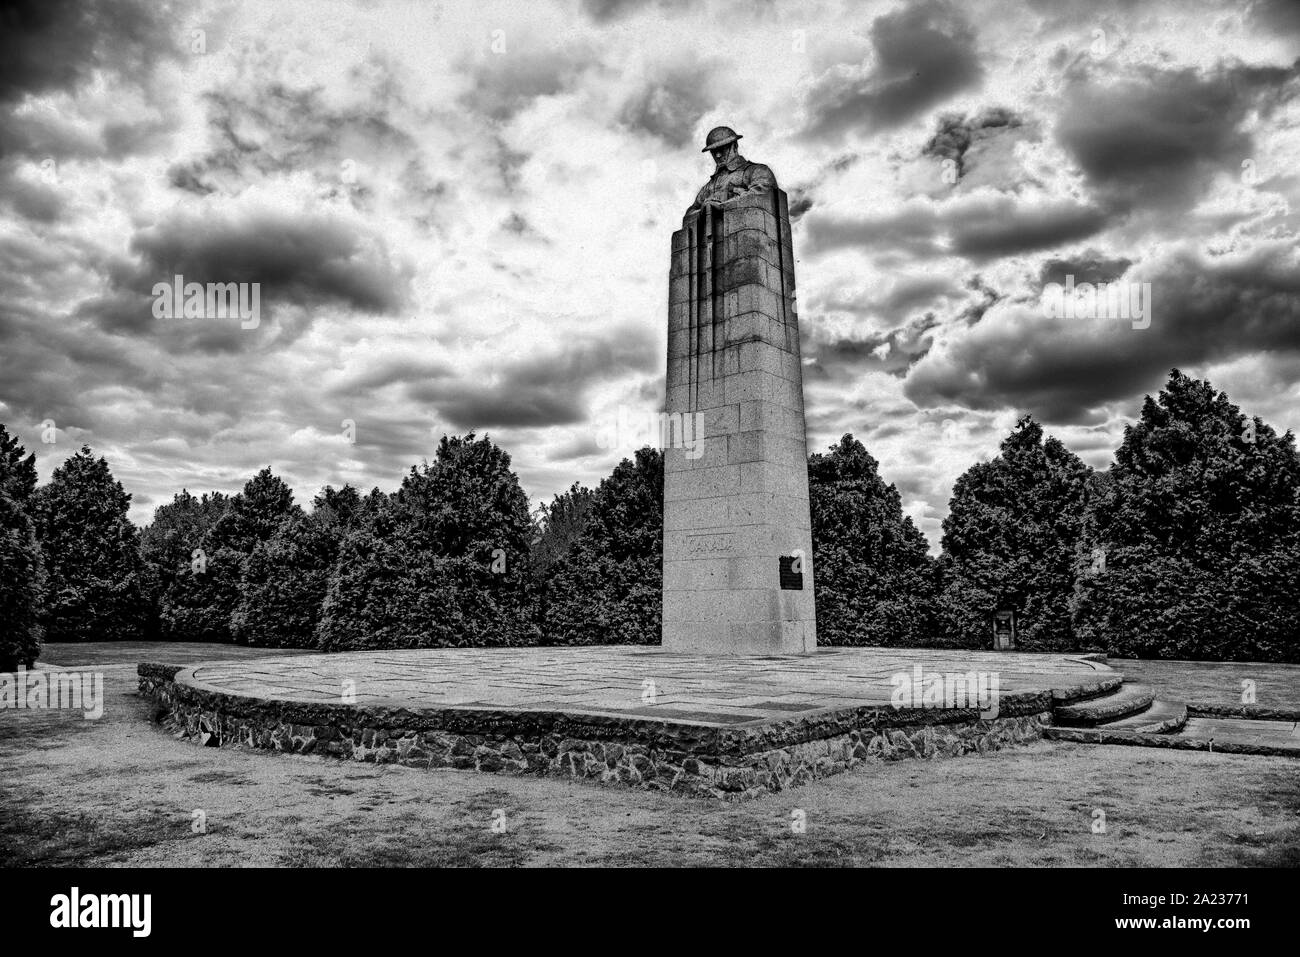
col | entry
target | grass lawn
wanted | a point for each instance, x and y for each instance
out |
(120, 791)
(1217, 683)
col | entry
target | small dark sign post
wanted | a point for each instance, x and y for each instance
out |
(1004, 630)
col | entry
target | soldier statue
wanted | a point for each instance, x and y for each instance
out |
(734, 176)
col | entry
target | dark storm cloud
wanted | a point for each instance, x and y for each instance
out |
(584, 446)
(1280, 16)
(1004, 227)
(912, 229)
(911, 293)
(50, 364)
(534, 407)
(607, 11)
(800, 202)
(841, 359)
(982, 228)
(307, 260)
(34, 201)
(670, 105)
(653, 391)
(1066, 370)
(49, 46)
(543, 389)
(301, 263)
(58, 46)
(906, 295)
(1088, 266)
(924, 53)
(189, 178)
(1156, 138)
(27, 265)
(844, 358)
(983, 298)
(957, 133)
(403, 370)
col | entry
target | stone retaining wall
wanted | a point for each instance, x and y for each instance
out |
(721, 763)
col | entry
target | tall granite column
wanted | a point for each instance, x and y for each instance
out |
(738, 575)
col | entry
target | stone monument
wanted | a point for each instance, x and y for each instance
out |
(738, 576)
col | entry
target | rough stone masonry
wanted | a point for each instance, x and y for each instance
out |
(738, 576)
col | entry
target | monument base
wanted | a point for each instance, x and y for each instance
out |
(629, 715)
(772, 636)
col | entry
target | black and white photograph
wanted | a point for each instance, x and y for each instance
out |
(628, 435)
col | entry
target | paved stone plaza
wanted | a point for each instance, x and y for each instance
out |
(694, 724)
(627, 680)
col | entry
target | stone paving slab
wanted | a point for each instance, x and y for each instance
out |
(633, 681)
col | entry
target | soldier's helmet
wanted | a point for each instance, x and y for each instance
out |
(719, 136)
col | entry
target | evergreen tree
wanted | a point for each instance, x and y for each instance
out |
(1010, 541)
(556, 528)
(343, 504)
(443, 563)
(607, 589)
(871, 568)
(95, 577)
(17, 474)
(206, 593)
(1192, 550)
(285, 578)
(21, 569)
(168, 546)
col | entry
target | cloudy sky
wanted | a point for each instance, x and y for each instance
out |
(459, 214)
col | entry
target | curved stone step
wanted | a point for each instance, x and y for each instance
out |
(1130, 699)
(1163, 717)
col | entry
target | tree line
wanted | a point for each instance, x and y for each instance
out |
(1188, 546)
